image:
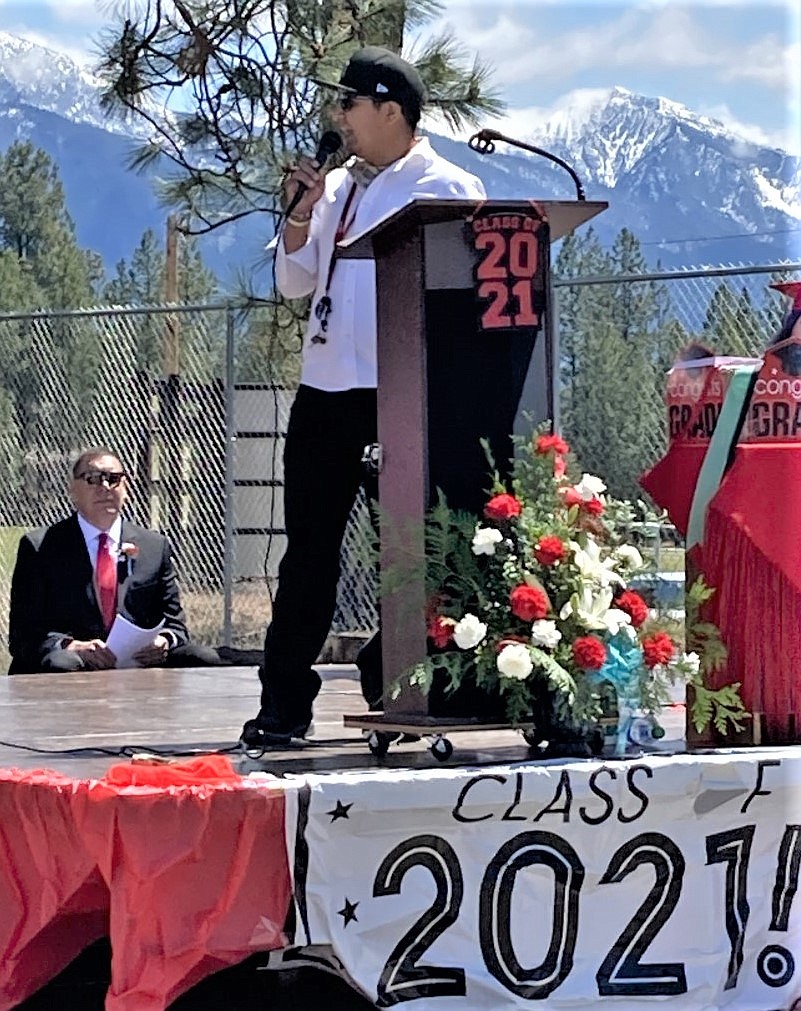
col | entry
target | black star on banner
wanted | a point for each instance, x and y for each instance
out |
(348, 912)
(340, 811)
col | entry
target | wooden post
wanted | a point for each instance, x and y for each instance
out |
(172, 334)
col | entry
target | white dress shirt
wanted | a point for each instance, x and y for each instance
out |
(347, 359)
(91, 535)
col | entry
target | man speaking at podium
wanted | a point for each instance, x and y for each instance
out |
(380, 99)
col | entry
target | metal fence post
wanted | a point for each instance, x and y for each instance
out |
(556, 353)
(230, 440)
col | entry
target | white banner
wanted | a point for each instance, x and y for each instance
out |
(611, 885)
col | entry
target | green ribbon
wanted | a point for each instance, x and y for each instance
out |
(726, 432)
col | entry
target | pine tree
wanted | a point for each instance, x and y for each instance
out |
(612, 354)
(18, 289)
(719, 321)
(36, 227)
(749, 335)
(243, 72)
(142, 283)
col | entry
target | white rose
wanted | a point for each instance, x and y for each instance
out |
(691, 662)
(514, 661)
(590, 487)
(545, 633)
(485, 540)
(469, 632)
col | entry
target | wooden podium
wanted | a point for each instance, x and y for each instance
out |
(464, 344)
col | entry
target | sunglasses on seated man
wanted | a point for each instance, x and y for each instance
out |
(112, 478)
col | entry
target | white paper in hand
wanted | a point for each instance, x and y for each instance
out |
(126, 639)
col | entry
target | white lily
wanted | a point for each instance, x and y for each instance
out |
(592, 610)
(590, 487)
(592, 567)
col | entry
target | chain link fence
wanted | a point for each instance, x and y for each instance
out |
(77, 379)
(617, 335)
(173, 390)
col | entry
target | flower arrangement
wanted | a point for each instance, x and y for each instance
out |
(531, 603)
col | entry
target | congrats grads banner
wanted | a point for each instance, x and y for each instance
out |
(662, 881)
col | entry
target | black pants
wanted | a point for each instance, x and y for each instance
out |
(323, 471)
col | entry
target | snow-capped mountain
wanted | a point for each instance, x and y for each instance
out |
(691, 190)
(31, 75)
(651, 148)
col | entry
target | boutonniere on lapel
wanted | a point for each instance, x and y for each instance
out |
(128, 554)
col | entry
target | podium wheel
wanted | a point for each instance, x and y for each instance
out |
(441, 749)
(378, 743)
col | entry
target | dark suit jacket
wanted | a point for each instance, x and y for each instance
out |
(53, 593)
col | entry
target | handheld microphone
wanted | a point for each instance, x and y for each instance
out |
(330, 143)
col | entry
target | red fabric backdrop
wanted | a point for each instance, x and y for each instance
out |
(185, 879)
(752, 556)
(751, 550)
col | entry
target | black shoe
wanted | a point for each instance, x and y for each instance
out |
(261, 734)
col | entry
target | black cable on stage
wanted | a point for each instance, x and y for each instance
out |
(124, 751)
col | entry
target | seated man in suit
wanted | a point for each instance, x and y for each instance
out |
(71, 579)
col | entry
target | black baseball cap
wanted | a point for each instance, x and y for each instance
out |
(378, 73)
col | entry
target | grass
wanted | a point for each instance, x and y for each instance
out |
(9, 540)
(666, 558)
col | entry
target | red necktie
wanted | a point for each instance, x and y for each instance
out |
(106, 575)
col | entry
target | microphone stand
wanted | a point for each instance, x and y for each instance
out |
(482, 142)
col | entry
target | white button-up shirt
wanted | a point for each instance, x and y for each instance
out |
(92, 534)
(347, 359)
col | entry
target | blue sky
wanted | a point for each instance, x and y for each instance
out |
(738, 61)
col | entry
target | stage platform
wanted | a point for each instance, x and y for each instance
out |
(80, 725)
(69, 715)
(219, 895)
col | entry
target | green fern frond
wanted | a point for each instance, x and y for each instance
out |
(558, 677)
(722, 707)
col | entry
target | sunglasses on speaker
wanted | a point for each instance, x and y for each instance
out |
(346, 102)
(112, 478)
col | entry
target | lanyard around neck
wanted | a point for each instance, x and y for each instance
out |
(323, 308)
(343, 227)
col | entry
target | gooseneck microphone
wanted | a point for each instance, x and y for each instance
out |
(482, 142)
(330, 143)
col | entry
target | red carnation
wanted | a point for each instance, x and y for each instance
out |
(657, 649)
(594, 507)
(571, 497)
(589, 652)
(634, 606)
(502, 507)
(440, 630)
(549, 550)
(528, 603)
(545, 444)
